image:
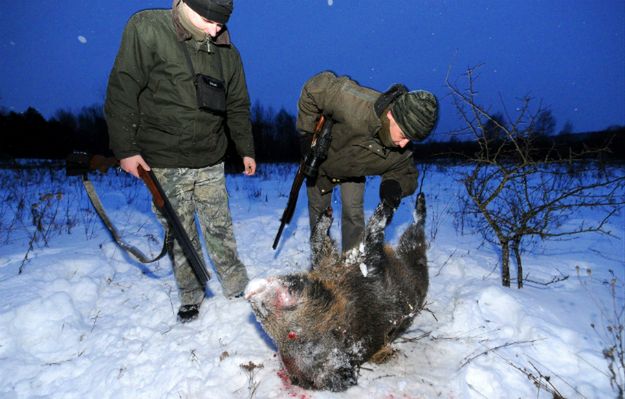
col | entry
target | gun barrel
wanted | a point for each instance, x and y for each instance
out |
(180, 234)
(309, 167)
(287, 215)
(278, 235)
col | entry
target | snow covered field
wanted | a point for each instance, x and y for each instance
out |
(83, 320)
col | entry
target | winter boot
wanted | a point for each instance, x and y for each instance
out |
(188, 313)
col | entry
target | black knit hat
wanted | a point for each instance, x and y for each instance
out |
(416, 113)
(214, 10)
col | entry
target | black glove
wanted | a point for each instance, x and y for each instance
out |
(390, 193)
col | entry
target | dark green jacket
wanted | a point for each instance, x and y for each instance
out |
(356, 149)
(151, 107)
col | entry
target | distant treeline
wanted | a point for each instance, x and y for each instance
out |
(605, 145)
(30, 135)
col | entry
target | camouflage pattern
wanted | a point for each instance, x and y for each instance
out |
(356, 149)
(203, 192)
(416, 113)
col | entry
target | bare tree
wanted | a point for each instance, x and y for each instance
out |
(520, 188)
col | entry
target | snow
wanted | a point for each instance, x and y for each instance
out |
(84, 320)
(363, 269)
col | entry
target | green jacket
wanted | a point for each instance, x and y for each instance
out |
(151, 107)
(356, 149)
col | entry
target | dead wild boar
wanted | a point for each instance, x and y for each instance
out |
(329, 321)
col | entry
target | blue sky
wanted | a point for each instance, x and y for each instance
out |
(568, 54)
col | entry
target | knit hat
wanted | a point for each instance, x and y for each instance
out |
(214, 10)
(416, 113)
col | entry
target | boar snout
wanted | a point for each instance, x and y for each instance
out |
(254, 287)
(270, 295)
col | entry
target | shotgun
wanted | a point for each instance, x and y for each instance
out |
(81, 163)
(309, 168)
(162, 203)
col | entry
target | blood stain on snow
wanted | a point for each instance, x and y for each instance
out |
(292, 390)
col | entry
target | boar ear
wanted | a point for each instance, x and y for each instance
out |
(374, 237)
(285, 298)
(287, 293)
(322, 245)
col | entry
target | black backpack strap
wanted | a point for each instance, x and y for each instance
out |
(187, 56)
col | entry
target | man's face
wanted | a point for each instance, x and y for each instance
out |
(209, 27)
(397, 136)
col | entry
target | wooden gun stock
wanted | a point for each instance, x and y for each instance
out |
(150, 182)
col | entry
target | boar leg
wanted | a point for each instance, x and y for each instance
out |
(321, 244)
(412, 247)
(374, 237)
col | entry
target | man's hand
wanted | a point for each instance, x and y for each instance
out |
(390, 193)
(249, 166)
(131, 164)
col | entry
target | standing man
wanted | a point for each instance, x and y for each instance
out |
(369, 137)
(176, 86)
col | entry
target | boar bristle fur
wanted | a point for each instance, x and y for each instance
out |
(346, 310)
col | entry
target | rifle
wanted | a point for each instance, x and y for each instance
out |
(309, 167)
(80, 163)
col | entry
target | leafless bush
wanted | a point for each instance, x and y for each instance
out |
(519, 190)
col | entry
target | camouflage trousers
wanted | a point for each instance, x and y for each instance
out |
(202, 193)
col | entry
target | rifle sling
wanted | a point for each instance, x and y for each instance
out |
(130, 249)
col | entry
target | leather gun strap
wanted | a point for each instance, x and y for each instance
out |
(132, 250)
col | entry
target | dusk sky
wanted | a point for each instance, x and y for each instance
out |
(569, 54)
